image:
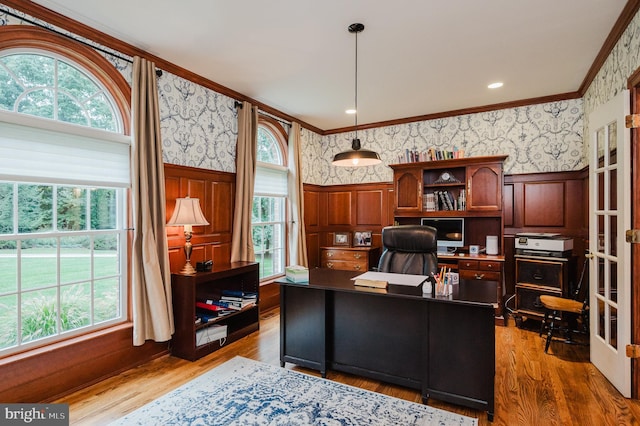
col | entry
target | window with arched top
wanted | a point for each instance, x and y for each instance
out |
(64, 171)
(269, 200)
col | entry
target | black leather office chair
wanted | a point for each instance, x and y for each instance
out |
(409, 249)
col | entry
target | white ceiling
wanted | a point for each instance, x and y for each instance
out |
(415, 57)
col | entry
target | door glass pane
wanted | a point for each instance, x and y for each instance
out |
(600, 146)
(613, 323)
(601, 318)
(613, 281)
(613, 235)
(613, 186)
(600, 177)
(612, 143)
(601, 268)
(600, 233)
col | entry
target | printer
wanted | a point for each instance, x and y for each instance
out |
(543, 244)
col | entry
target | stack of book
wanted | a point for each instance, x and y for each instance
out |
(237, 299)
(297, 274)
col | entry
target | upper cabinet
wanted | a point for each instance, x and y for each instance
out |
(457, 187)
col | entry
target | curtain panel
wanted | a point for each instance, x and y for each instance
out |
(297, 236)
(150, 269)
(246, 152)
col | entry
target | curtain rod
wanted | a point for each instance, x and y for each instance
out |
(239, 104)
(70, 37)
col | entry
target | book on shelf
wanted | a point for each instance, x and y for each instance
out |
(431, 154)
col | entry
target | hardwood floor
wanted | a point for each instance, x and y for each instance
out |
(532, 388)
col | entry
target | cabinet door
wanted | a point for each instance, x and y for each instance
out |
(408, 190)
(484, 187)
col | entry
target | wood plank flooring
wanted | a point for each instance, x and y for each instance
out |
(532, 388)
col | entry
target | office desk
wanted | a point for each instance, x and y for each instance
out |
(442, 346)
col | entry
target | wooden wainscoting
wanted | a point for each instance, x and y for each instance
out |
(216, 191)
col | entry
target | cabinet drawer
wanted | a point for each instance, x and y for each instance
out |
(331, 255)
(468, 264)
(542, 273)
(528, 298)
(468, 274)
(489, 266)
(347, 265)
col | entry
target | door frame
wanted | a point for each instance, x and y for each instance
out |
(633, 84)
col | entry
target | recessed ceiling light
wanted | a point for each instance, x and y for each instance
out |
(495, 85)
(350, 111)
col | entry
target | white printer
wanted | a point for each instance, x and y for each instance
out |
(543, 244)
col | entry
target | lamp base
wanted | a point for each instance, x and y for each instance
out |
(187, 269)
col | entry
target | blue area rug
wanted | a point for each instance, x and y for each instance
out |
(245, 392)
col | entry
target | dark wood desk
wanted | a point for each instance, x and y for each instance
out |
(443, 346)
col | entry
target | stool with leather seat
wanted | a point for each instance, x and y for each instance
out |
(560, 310)
(409, 249)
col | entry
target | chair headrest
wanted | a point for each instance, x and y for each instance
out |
(409, 238)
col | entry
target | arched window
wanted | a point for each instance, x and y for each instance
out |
(269, 200)
(64, 170)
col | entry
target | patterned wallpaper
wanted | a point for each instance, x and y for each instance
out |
(623, 60)
(199, 127)
(537, 138)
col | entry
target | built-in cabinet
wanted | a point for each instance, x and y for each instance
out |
(466, 187)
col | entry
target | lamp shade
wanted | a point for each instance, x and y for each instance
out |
(187, 212)
(353, 158)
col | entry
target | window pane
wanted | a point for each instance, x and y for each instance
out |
(107, 297)
(31, 70)
(70, 111)
(35, 208)
(268, 148)
(75, 306)
(104, 208)
(8, 321)
(39, 314)
(72, 208)
(6, 209)
(39, 103)
(106, 258)
(75, 259)
(101, 113)
(10, 90)
(8, 268)
(39, 263)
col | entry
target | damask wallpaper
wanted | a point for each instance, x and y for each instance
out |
(199, 127)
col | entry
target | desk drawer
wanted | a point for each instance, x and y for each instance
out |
(468, 274)
(540, 273)
(332, 255)
(347, 265)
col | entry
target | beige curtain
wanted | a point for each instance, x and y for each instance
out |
(246, 150)
(150, 271)
(297, 236)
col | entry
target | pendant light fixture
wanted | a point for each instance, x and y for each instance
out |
(356, 157)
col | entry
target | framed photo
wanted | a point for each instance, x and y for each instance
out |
(341, 239)
(362, 239)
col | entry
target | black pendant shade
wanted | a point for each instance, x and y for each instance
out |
(356, 156)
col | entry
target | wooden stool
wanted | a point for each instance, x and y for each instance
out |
(557, 306)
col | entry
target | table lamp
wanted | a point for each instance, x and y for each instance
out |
(187, 213)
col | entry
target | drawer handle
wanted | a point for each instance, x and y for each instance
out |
(489, 266)
(329, 265)
(538, 277)
(357, 267)
(357, 255)
(479, 276)
(329, 254)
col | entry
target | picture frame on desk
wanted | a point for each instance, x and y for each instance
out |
(342, 239)
(362, 239)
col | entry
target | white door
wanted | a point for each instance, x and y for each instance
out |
(609, 216)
